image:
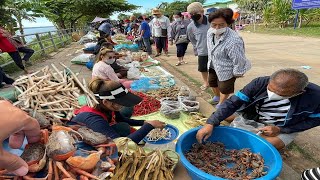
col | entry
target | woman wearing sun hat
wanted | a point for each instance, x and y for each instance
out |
(105, 117)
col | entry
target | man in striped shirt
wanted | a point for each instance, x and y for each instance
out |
(285, 103)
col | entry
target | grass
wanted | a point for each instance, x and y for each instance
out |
(38, 55)
(311, 30)
(295, 147)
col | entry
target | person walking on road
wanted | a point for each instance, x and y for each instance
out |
(160, 28)
(13, 47)
(227, 60)
(179, 36)
(145, 33)
(197, 35)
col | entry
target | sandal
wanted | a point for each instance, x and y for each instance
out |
(184, 62)
(203, 87)
(157, 55)
(178, 64)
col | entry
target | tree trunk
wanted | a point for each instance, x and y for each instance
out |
(19, 20)
(300, 21)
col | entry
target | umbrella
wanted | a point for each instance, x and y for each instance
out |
(99, 19)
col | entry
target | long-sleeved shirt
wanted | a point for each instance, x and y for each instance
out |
(197, 35)
(5, 44)
(304, 112)
(99, 122)
(158, 24)
(227, 55)
(178, 28)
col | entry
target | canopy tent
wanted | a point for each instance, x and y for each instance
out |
(98, 19)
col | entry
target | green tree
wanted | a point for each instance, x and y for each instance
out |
(171, 8)
(20, 10)
(200, 1)
(122, 16)
(66, 13)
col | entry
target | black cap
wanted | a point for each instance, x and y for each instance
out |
(121, 96)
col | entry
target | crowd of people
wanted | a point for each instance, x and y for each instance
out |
(284, 103)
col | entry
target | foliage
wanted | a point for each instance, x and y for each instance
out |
(200, 1)
(20, 10)
(122, 16)
(310, 30)
(253, 5)
(170, 8)
(65, 14)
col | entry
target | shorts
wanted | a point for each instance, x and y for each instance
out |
(249, 126)
(287, 138)
(161, 43)
(225, 87)
(181, 49)
(203, 63)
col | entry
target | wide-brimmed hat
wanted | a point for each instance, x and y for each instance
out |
(119, 95)
(156, 11)
(195, 7)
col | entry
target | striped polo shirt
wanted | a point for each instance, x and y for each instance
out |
(311, 174)
(271, 111)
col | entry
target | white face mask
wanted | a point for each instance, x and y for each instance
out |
(219, 31)
(274, 96)
(177, 19)
(109, 61)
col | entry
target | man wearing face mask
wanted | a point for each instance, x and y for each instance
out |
(197, 35)
(286, 103)
(160, 25)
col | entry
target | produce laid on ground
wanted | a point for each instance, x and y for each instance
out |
(148, 105)
(52, 92)
(195, 120)
(170, 109)
(215, 159)
(54, 157)
(171, 92)
(137, 164)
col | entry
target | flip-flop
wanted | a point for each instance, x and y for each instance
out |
(178, 64)
(184, 62)
(203, 87)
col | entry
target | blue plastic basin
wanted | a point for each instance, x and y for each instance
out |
(232, 138)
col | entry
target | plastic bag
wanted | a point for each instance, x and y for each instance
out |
(88, 45)
(89, 37)
(190, 106)
(144, 84)
(246, 124)
(185, 94)
(133, 73)
(81, 59)
(170, 109)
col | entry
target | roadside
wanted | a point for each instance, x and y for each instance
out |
(311, 30)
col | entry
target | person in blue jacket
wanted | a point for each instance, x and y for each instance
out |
(286, 103)
(105, 117)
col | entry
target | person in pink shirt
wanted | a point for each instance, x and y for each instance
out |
(103, 70)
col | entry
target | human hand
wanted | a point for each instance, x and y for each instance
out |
(204, 133)
(270, 131)
(0, 50)
(157, 124)
(17, 124)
